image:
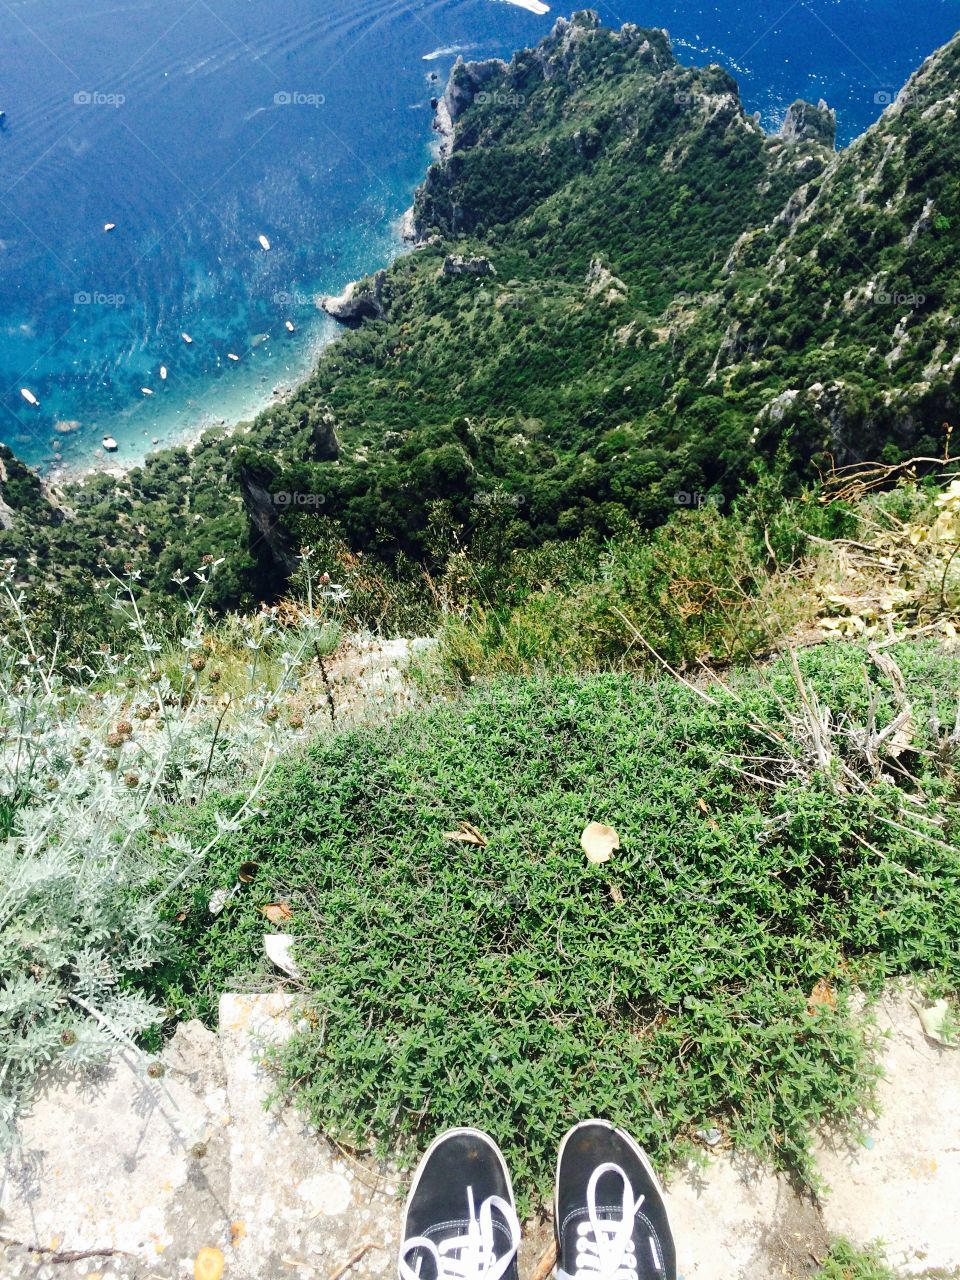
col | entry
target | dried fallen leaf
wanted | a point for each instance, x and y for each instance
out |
(616, 893)
(702, 805)
(822, 996)
(599, 841)
(466, 833)
(208, 1265)
(218, 900)
(277, 947)
(277, 912)
(933, 1019)
(247, 872)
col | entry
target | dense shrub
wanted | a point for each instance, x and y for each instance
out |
(515, 986)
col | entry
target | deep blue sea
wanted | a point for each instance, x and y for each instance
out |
(197, 126)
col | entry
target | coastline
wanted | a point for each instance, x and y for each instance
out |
(401, 238)
(107, 463)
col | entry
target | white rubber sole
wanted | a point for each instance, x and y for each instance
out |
(631, 1143)
(450, 1133)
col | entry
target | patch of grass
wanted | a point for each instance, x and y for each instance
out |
(706, 586)
(849, 1263)
(516, 986)
(242, 657)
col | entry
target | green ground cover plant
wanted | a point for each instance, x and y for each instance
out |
(771, 857)
(849, 1263)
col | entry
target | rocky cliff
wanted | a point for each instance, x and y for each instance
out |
(624, 289)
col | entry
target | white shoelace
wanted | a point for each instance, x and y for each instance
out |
(471, 1256)
(605, 1248)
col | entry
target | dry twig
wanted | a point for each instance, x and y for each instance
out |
(69, 1255)
(546, 1263)
(354, 1258)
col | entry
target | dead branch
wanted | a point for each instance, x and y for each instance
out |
(817, 717)
(663, 662)
(848, 484)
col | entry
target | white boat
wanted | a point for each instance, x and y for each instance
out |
(291, 326)
(110, 444)
(146, 391)
(109, 226)
(231, 356)
(264, 243)
(29, 396)
(186, 337)
(163, 372)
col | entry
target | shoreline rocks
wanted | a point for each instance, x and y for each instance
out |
(361, 300)
(408, 226)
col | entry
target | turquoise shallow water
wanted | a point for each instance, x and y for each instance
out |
(197, 126)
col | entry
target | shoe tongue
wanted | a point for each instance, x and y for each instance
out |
(608, 1214)
(458, 1229)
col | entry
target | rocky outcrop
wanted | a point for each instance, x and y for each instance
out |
(602, 283)
(145, 1170)
(361, 300)
(408, 226)
(466, 80)
(456, 264)
(264, 510)
(8, 517)
(323, 434)
(775, 410)
(805, 122)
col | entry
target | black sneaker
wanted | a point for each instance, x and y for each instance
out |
(461, 1221)
(608, 1212)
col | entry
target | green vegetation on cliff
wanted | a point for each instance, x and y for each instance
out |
(626, 298)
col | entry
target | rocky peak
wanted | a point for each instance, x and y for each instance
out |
(465, 81)
(557, 53)
(323, 433)
(581, 19)
(805, 122)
